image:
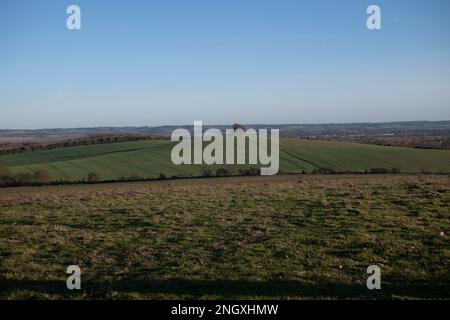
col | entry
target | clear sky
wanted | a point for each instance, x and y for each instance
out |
(152, 62)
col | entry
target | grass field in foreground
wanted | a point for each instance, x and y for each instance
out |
(289, 237)
(148, 159)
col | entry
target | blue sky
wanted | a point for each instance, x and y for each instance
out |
(137, 63)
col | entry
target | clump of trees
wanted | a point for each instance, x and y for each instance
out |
(237, 126)
(9, 178)
(206, 171)
(93, 177)
(383, 170)
(221, 172)
(5, 175)
(326, 170)
(250, 171)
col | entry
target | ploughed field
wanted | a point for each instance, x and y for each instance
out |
(150, 159)
(281, 237)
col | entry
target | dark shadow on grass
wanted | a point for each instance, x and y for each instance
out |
(236, 288)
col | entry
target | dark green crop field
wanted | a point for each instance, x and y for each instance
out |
(282, 237)
(148, 159)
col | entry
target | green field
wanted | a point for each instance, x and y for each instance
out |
(281, 237)
(148, 159)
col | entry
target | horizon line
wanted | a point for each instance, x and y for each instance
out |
(212, 125)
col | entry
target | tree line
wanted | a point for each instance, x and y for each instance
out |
(84, 141)
(39, 177)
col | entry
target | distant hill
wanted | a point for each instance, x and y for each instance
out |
(286, 130)
(416, 134)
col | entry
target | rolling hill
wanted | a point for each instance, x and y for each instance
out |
(148, 159)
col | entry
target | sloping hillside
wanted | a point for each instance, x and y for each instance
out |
(148, 159)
